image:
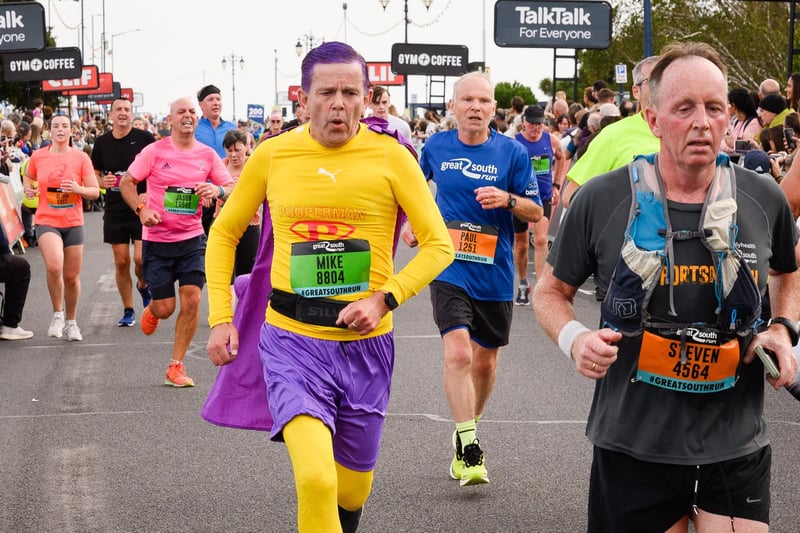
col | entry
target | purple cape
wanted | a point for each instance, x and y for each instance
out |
(238, 398)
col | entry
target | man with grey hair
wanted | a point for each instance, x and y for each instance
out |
(483, 179)
(618, 143)
(768, 87)
(676, 421)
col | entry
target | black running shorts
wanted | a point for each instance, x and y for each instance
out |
(626, 494)
(488, 322)
(521, 226)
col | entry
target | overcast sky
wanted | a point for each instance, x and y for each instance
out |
(181, 43)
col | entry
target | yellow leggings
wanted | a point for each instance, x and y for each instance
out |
(322, 484)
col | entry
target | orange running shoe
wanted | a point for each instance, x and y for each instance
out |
(176, 376)
(149, 321)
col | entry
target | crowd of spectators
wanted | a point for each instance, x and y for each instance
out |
(763, 121)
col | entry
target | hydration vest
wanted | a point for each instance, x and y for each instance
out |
(648, 249)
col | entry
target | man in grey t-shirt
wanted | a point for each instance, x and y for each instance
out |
(671, 432)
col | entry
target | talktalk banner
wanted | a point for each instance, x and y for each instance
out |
(21, 26)
(90, 79)
(552, 24)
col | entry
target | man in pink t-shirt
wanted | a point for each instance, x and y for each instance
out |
(182, 175)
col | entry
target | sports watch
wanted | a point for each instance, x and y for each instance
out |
(791, 326)
(512, 201)
(390, 301)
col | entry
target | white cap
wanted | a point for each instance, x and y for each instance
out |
(609, 110)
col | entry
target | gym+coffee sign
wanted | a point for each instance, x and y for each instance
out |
(429, 59)
(21, 26)
(554, 24)
(47, 64)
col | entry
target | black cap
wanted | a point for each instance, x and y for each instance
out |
(534, 114)
(205, 91)
(774, 103)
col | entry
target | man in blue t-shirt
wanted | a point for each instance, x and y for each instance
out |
(482, 179)
(549, 167)
(211, 130)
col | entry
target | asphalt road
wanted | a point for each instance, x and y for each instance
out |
(91, 440)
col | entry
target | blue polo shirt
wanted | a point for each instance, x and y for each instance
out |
(206, 134)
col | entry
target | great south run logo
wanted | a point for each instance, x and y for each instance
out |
(475, 171)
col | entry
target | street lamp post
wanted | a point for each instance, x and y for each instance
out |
(427, 4)
(234, 58)
(83, 35)
(113, 50)
(104, 42)
(275, 51)
(306, 43)
(344, 8)
(92, 40)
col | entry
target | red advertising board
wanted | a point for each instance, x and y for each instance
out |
(106, 86)
(90, 79)
(380, 73)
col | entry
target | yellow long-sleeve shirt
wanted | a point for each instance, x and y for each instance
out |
(348, 194)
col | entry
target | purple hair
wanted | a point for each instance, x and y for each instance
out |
(329, 53)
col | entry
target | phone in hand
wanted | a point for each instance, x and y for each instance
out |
(788, 133)
(770, 361)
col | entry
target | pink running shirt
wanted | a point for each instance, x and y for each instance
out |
(172, 175)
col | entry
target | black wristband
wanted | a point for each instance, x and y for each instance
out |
(557, 186)
(791, 326)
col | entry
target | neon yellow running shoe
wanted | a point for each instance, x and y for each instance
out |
(457, 464)
(474, 472)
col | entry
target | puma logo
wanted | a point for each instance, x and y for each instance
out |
(331, 175)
